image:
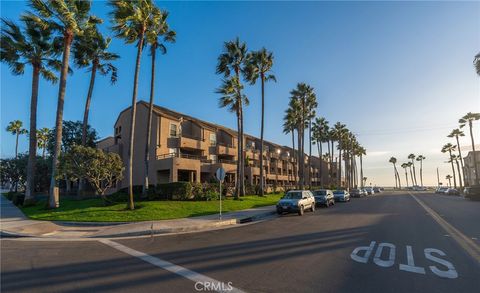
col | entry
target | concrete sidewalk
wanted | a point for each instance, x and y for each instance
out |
(14, 223)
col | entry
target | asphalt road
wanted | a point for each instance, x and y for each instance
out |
(411, 252)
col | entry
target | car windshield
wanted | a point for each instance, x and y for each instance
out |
(338, 192)
(293, 195)
(320, 192)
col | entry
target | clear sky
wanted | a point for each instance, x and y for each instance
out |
(399, 74)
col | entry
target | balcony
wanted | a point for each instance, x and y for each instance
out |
(191, 142)
(226, 149)
(182, 156)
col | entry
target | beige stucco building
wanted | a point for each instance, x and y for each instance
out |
(469, 167)
(188, 149)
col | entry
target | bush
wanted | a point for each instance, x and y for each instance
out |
(9, 195)
(197, 190)
(137, 189)
(18, 199)
(173, 191)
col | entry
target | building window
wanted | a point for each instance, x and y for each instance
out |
(213, 158)
(173, 130)
(213, 139)
(173, 151)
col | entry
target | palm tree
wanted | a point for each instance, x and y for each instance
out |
(339, 132)
(457, 133)
(409, 164)
(131, 20)
(320, 131)
(70, 18)
(34, 46)
(449, 148)
(304, 101)
(91, 51)
(361, 152)
(405, 166)
(393, 160)
(289, 125)
(233, 99)
(455, 159)
(412, 157)
(449, 178)
(259, 64)
(469, 118)
(420, 158)
(15, 127)
(476, 63)
(230, 64)
(157, 36)
(43, 135)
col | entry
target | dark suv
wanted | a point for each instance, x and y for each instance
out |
(324, 197)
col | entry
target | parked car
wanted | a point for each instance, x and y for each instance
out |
(452, 191)
(324, 197)
(369, 190)
(377, 190)
(296, 201)
(364, 191)
(441, 190)
(356, 192)
(341, 195)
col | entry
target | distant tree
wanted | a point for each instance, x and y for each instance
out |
(16, 128)
(449, 148)
(476, 63)
(289, 125)
(14, 171)
(405, 166)
(412, 158)
(449, 178)
(72, 135)
(420, 158)
(101, 169)
(43, 136)
(468, 119)
(393, 160)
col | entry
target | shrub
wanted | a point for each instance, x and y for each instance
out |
(173, 191)
(137, 189)
(18, 198)
(197, 190)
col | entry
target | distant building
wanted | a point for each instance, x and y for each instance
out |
(185, 148)
(469, 167)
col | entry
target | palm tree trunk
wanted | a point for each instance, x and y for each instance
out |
(330, 161)
(411, 175)
(16, 144)
(294, 163)
(414, 172)
(131, 204)
(453, 171)
(339, 165)
(239, 156)
(43, 152)
(81, 181)
(320, 172)
(54, 196)
(475, 165)
(461, 161)
(149, 125)
(32, 148)
(406, 176)
(361, 170)
(261, 135)
(395, 174)
(459, 175)
(299, 155)
(398, 176)
(421, 172)
(310, 153)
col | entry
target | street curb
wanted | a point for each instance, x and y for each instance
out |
(4, 234)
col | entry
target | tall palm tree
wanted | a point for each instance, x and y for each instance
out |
(456, 133)
(393, 160)
(449, 148)
(289, 126)
(157, 36)
(34, 46)
(405, 166)
(70, 18)
(412, 158)
(259, 65)
(362, 152)
(468, 119)
(91, 51)
(420, 158)
(231, 63)
(233, 98)
(303, 99)
(409, 164)
(319, 134)
(131, 20)
(43, 135)
(449, 178)
(454, 158)
(339, 132)
(16, 128)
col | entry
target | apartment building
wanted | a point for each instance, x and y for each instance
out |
(188, 149)
(469, 167)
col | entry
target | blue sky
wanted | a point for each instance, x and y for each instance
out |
(399, 74)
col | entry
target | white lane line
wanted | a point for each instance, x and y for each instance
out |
(465, 242)
(184, 272)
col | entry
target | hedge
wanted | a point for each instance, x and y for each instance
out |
(172, 191)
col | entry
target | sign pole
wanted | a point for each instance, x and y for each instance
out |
(220, 199)
(220, 174)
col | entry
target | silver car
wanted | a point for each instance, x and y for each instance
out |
(296, 201)
(324, 197)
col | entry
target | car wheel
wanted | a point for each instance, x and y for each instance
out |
(313, 207)
(300, 211)
(279, 212)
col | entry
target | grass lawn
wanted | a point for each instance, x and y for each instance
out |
(93, 210)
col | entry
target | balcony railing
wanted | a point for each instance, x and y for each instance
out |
(225, 144)
(191, 136)
(223, 161)
(183, 156)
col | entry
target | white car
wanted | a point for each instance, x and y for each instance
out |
(296, 201)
